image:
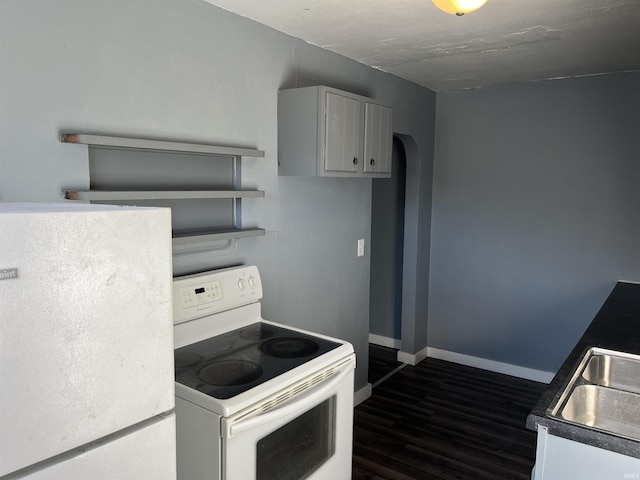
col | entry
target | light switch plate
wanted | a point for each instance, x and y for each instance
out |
(361, 247)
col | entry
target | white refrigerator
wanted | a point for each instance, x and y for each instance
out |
(86, 343)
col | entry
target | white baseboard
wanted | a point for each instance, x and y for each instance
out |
(361, 395)
(491, 365)
(413, 358)
(384, 341)
(461, 358)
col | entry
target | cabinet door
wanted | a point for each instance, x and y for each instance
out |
(559, 458)
(378, 138)
(342, 134)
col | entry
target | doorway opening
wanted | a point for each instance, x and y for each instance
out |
(387, 254)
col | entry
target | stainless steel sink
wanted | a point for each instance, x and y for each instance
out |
(606, 409)
(614, 371)
(603, 394)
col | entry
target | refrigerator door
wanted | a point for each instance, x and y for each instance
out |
(143, 454)
(86, 341)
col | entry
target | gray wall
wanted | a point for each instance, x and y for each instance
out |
(186, 70)
(535, 214)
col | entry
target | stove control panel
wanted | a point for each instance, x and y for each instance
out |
(206, 293)
(200, 293)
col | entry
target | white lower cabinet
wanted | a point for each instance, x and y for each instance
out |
(323, 131)
(560, 459)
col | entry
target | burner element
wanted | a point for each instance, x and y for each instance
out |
(256, 332)
(186, 359)
(229, 373)
(289, 347)
(236, 361)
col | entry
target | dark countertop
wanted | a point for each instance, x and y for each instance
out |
(615, 327)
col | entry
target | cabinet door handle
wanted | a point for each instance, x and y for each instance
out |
(372, 161)
(355, 160)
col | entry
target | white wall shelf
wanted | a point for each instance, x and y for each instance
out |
(97, 195)
(145, 144)
(177, 175)
(189, 237)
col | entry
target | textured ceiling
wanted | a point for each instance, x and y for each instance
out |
(505, 41)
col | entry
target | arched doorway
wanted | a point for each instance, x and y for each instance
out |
(387, 247)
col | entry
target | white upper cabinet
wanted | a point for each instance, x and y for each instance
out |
(377, 140)
(323, 131)
(342, 145)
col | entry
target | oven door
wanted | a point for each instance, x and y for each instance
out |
(303, 432)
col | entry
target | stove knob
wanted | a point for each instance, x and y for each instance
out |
(253, 282)
(242, 284)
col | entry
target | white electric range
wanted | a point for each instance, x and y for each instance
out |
(256, 399)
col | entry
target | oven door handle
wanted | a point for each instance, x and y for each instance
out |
(300, 402)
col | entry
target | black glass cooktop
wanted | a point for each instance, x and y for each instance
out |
(234, 362)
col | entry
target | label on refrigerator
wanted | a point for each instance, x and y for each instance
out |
(8, 273)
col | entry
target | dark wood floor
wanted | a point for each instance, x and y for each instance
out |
(382, 362)
(440, 420)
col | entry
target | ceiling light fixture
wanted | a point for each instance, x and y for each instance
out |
(458, 7)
